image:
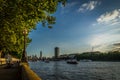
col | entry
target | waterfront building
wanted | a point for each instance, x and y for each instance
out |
(34, 58)
(57, 51)
(40, 55)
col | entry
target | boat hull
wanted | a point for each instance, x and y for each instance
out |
(72, 61)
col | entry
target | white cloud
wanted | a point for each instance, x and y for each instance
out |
(104, 48)
(99, 39)
(110, 17)
(88, 6)
(102, 42)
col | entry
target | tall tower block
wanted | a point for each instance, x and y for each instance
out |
(40, 54)
(57, 52)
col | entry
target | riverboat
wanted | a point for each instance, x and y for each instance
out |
(72, 61)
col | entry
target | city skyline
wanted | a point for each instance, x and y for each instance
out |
(80, 26)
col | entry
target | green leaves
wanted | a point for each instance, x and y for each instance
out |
(17, 15)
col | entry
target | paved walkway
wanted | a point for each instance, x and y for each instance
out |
(10, 73)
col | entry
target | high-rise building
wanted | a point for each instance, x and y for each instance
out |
(40, 54)
(56, 52)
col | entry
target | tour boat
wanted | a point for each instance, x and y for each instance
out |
(72, 61)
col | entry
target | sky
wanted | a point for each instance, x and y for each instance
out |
(80, 26)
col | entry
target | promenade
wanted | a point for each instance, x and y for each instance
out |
(10, 73)
(16, 71)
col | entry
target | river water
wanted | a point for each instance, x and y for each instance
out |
(60, 70)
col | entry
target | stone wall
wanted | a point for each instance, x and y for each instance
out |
(27, 73)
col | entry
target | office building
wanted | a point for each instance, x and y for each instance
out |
(57, 51)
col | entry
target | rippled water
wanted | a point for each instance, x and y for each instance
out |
(60, 70)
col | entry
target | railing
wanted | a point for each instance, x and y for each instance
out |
(27, 73)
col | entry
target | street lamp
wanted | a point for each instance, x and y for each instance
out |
(24, 55)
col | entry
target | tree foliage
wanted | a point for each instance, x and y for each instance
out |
(17, 15)
(99, 56)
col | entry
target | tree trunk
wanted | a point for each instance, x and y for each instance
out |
(0, 53)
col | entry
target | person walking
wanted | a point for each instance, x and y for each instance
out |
(8, 60)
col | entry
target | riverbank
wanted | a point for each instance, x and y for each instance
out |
(27, 73)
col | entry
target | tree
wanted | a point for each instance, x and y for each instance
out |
(17, 15)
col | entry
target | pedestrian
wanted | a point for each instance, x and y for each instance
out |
(8, 60)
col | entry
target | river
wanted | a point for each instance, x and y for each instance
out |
(60, 70)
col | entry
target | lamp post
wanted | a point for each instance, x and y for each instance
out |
(24, 55)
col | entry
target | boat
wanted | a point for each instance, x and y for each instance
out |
(72, 61)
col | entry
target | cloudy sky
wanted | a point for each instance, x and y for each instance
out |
(80, 25)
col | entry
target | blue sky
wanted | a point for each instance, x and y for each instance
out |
(80, 25)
